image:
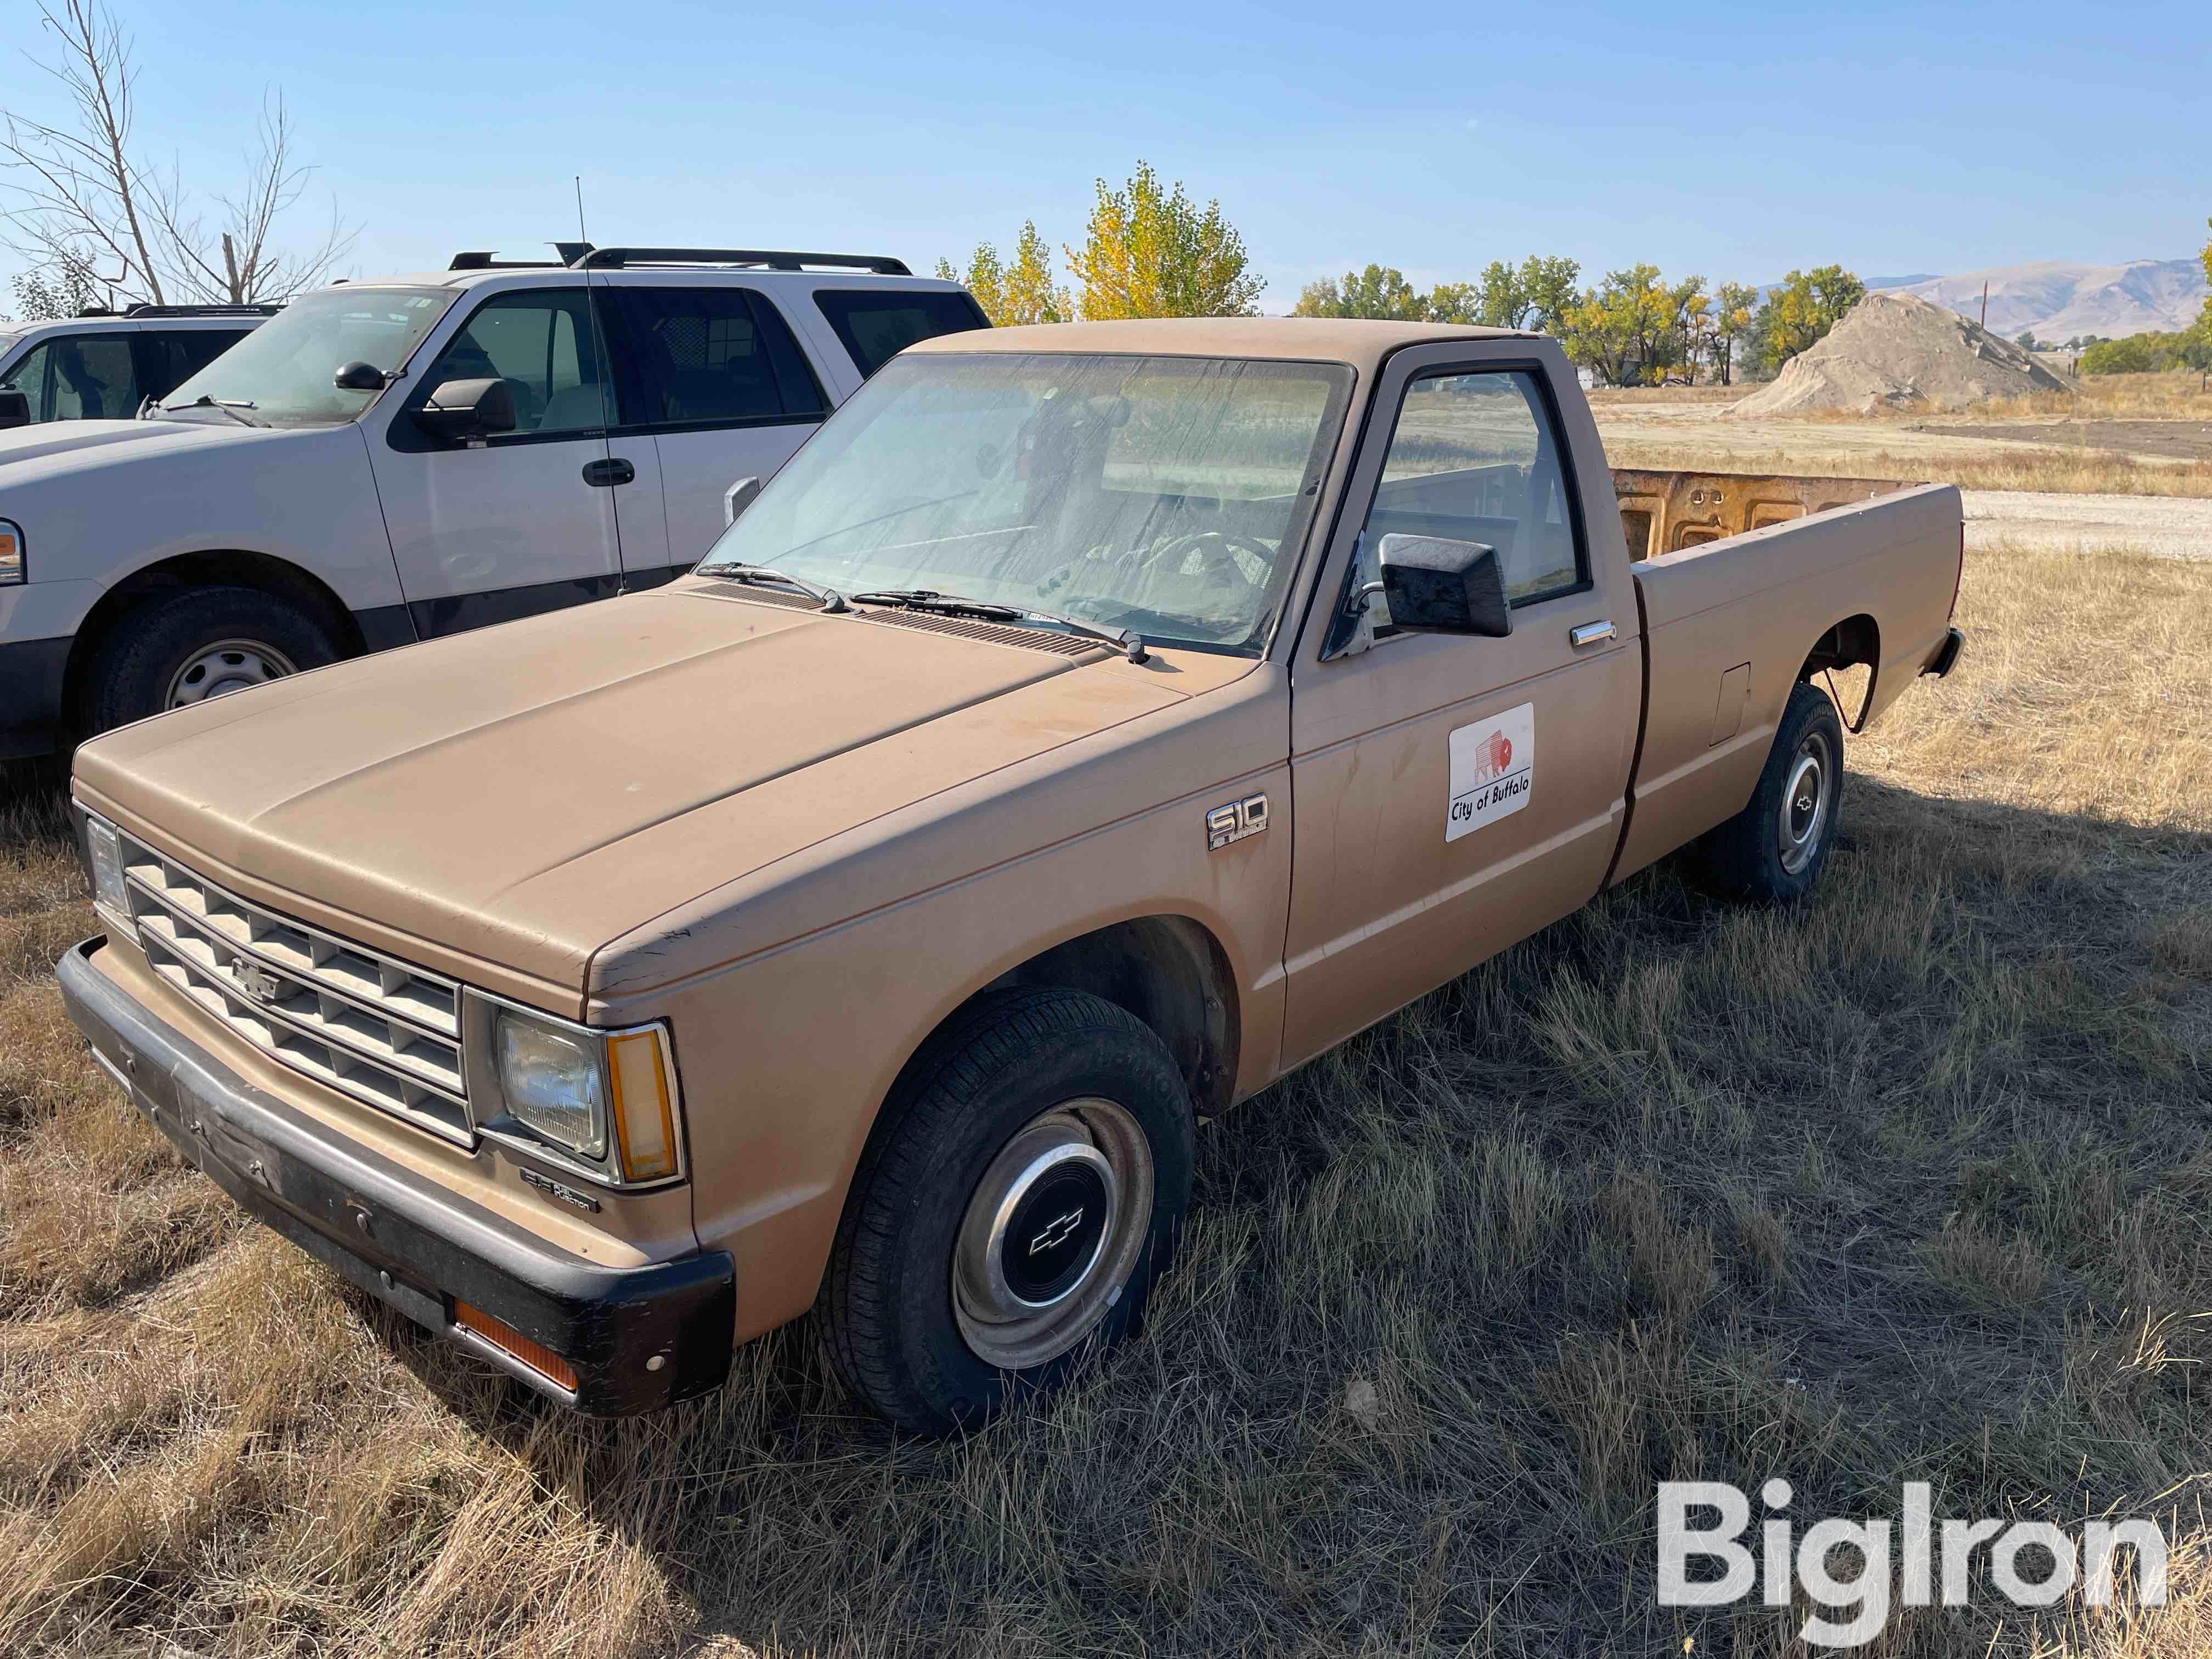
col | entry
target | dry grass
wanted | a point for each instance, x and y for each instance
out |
(2068, 472)
(1909, 1185)
(2175, 397)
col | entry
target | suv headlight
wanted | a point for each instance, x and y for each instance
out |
(603, 1102)
(13, 567)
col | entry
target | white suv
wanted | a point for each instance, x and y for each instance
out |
(102, 365)
(385, 462)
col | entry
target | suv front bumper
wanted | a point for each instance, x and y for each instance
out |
(637, 1338)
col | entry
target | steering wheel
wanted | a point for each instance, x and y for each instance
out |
(1218, 548)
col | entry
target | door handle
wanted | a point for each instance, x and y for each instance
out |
(605, 474)
(1590, 633)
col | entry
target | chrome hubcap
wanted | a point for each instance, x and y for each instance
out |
(1802, 822)
(1052, 1233)
(229, 666)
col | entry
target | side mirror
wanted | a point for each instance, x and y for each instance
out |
(15, 408)
(1437, 585)
(738, 497)
(467, 408)
(358, 376)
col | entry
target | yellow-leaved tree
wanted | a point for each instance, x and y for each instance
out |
(1016, 290)
(1151, 252)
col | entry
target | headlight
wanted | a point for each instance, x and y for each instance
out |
(552, 1083)
(12, 567)
(104, 856)
(605, 1101)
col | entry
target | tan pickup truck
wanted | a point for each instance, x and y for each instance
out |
(1088, 725)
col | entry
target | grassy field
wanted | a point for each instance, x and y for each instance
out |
(1908, 1185)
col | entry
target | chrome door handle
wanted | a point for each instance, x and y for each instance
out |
(1590, 633)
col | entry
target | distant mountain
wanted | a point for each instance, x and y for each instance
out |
(2059, 299)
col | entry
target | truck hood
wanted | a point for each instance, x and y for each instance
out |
(57, 446)
(506, 796)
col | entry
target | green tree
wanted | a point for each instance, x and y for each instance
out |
(1455, 302)
(1803, 308)
(1619, 328)
(2027, 341)
(64, 289)
(1538, 294)
(2204, 317)
(1734, 306)
(1378, 291)
(2149, 354)
(1151, 252)
(1017, 290)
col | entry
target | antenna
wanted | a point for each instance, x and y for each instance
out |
(580, 236)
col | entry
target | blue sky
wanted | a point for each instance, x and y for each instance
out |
(1732, 140)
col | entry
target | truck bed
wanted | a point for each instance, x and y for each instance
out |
(1742, 581)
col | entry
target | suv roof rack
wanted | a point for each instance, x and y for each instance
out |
(141, 308)
(614, 259)
(565, 254)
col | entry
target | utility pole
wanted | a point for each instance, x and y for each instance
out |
(1986, 303)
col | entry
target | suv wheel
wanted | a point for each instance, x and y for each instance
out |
(187, 648)
(1774, 850)
(1024, 1190)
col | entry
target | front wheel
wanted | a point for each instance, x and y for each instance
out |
(1023, 1192)
(1773, 851)
(200, 643)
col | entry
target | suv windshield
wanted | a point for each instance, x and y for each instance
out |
(282, 371)
(1166, 495)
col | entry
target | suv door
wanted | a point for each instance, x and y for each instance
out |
(522, 521)
(1453, 795)
(167, 357)
(81, 377)
(714, 378)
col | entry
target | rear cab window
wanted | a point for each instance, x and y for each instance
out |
(876, 325)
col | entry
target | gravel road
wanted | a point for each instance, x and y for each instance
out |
(2169, 527)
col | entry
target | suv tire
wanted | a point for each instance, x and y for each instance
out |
(1022, 1190)
(183, 648)
(1774, 850)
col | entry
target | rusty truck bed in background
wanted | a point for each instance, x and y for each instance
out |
(1668, 512)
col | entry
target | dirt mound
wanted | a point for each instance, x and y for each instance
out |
(1891, 350)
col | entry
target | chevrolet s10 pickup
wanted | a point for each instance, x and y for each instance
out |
(1087, 725)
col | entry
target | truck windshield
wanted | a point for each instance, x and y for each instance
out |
(282, 371)
(1164, 495)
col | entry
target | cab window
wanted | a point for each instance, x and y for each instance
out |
(1476, 456)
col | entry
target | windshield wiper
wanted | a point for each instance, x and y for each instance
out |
(830, 597)
(1131, 642)
(221, 406)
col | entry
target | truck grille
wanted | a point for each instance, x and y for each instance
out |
(365, 1023)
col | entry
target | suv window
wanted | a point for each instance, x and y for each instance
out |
(540, 342)
(1475, 457)
(877, 326)
(169, 357)
(706, 356)
(80, 377)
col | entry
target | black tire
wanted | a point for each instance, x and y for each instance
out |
(898, 1330)
(1760, 854)
(139, 662)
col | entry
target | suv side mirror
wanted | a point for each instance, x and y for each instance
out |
(467, 408)
(1437, 586)
(15, 408)
(737, 498)
(358, 376)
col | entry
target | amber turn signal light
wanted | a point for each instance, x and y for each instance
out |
(645, 1117)
(508, 1340)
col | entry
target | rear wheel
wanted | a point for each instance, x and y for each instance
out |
(1774, 850)
(186, 647)
(1025, 1189)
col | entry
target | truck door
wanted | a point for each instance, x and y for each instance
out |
(711, 379)
(526, 520)
(1453, 795)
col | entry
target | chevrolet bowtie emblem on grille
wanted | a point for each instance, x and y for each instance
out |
(1234, 820)
(1058, 1231)
(256, 981)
